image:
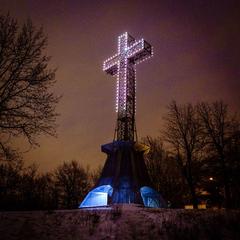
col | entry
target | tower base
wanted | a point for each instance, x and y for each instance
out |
(124, 178)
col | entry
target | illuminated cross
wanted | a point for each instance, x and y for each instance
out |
(123, 64)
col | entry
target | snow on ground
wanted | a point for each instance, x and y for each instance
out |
(126, 221)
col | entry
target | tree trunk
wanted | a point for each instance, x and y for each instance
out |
(190, 182)
(227, 194)
(193, 195)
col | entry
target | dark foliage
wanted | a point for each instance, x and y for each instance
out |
(164, 173)
(27, 106)
(204, 140)
(182, 133)
(72, 182)
(221, 133)
(26, 189)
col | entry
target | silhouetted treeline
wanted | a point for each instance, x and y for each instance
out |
(26, 189)
(197, 157)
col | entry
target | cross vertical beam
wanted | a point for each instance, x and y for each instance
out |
(123, 65)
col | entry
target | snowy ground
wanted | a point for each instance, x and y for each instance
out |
(120, 222)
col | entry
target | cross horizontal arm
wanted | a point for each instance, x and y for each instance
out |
(139, 51)
(110, 65)
(130, 52)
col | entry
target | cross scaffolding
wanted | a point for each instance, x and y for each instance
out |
(123, 65)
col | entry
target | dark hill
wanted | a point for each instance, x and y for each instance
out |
(121, 222)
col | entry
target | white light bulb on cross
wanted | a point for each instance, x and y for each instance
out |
(123, 64)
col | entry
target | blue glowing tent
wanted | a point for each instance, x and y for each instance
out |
(97, 197)
(152, 198)
(124, 178)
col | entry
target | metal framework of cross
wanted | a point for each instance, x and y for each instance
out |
(123, 65)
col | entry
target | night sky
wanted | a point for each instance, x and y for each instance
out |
(196, 58)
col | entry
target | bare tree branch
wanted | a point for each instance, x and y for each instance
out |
(218, 130)
(183, 135)
(27, 105)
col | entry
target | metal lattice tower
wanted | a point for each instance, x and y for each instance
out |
(123, 64)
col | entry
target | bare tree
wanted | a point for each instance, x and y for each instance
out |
(10, 177)
(182, 132)
(46, 195)
(72, 180)
(219, 129)
(27, 106)
(95, 175)
(233, 159)
(164, 172)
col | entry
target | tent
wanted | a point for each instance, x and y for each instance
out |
(97, 197)
(124, 178)
(151, 198)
